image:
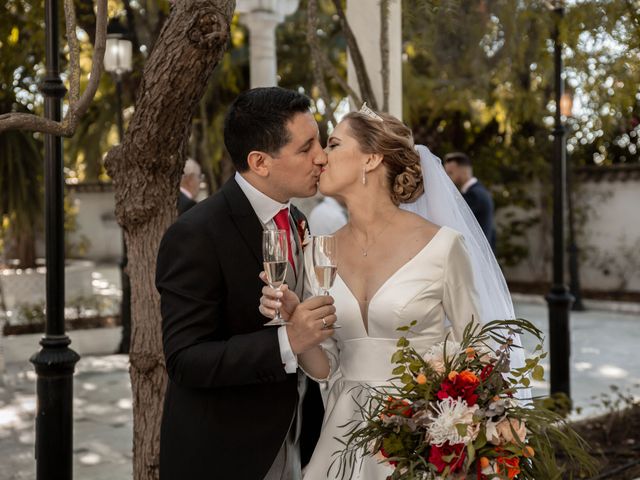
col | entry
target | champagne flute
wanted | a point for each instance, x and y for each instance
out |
(325, 262)
(275, 257)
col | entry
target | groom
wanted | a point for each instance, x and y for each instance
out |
(233, 399)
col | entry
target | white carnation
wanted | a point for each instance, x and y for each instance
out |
(448, 414)
(435, 355)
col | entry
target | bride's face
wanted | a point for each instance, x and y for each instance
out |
(344, 164)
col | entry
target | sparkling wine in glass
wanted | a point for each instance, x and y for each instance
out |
(275, 257)
(325, 262)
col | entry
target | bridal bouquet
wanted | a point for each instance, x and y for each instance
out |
(452, 413)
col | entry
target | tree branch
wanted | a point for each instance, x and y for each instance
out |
(74, 50)
(316, 62)
(333, 72)
(78, 109)
(356, 56)
(78, 105)
(384, 52)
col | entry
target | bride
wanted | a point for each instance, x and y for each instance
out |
(411, 251)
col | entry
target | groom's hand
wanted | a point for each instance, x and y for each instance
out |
(308, 322)
(283, 299)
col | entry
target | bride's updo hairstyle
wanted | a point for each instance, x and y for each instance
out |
(394, 141)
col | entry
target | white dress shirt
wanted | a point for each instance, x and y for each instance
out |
(468, 184)
(266, 208)
(186, 192)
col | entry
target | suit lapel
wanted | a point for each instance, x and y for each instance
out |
(244, 218)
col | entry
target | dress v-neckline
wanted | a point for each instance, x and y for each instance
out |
(383, 285)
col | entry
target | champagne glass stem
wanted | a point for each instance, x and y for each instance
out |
(277, 316)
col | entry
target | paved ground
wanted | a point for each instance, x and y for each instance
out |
(604, 353)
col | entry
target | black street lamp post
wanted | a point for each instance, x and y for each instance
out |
(117, 61)
(566, 109)
(55, 362)
(559, 299)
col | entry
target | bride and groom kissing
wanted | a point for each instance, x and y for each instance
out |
(242, 399)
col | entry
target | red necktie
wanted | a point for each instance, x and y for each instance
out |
(282, 222)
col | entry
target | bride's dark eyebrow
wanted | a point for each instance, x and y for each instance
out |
(332, 138)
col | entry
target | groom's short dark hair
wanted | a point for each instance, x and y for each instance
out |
(257, 120)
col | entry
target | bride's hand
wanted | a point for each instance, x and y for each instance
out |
(284, 299)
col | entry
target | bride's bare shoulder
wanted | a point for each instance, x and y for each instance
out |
(422, 227)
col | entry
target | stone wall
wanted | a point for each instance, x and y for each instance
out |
(97, 222)
(607, 206)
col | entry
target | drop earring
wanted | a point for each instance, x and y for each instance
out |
(364, 175)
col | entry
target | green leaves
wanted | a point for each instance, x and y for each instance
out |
(538, 373)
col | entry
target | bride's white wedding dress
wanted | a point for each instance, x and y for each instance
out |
(435, 285)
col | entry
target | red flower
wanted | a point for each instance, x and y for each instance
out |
(486, 371)
(397, 406)
(462, 386)
(457, 452)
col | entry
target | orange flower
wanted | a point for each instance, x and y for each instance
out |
(469, 377)
(470, 351)
(484, 462)
(512, 464)
(421, 379)
(452, 375)
(528, 452)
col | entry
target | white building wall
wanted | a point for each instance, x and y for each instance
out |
(611, 230)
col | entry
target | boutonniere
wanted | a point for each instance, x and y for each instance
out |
(303, 233)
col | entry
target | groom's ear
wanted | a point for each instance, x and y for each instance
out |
(259, 162)
(373, 160)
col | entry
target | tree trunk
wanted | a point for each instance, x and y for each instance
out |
(146, 170)
(26, 249)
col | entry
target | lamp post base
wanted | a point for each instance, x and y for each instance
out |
(54, 365)
(559, 300)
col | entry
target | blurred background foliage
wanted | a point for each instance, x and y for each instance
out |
(478, 77)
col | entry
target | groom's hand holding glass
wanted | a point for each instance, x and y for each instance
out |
(307, 322)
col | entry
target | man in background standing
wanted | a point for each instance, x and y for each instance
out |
(189, 186)
(460, 170)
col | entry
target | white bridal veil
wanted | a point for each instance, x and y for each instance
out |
(442, 204)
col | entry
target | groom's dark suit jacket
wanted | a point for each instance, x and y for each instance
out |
(229, 403)
(481, 203)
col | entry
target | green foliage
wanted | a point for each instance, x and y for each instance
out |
(30, 314)
(22, 51)
(478, 77)
(559, 403)
(21, 194)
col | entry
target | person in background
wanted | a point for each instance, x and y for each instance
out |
(189, 186)
(327, 217)
(460, 170)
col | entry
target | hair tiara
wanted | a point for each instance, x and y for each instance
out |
(370, 113)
